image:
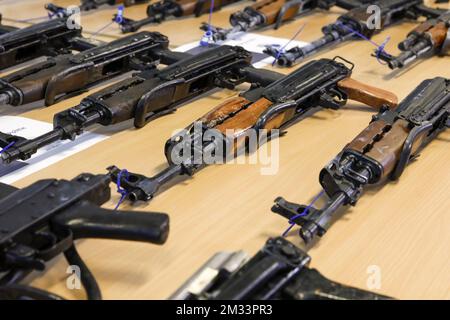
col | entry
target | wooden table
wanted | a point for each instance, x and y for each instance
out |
(403, 227)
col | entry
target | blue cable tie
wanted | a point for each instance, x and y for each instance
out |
(207, 38)
(7, 147)
(380, 48)
(120, 190)
(119, 15)
(302, 214)
(281, 50)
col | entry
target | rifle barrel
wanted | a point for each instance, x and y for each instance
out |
(24, 150)
(410, 55)
(311, 229)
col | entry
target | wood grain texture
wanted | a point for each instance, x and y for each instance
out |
(271, 9)
(368, 95)
(223, 111)
(402, 227)
(438, 34)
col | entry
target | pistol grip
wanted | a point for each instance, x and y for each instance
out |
(371, 96)
(88, 221)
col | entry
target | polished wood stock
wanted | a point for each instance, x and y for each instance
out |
(371, 96)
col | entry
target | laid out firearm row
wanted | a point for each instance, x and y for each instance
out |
(43, 220)
(431, 37)
(271, 103)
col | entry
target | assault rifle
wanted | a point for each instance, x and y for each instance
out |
(278, 271)
(48, 38)
(146, 96)
(42, 221)
(326, 83)
(87, 5)
(68, 75)
(379, 153)
(356, 21)
(159, 11)
(272, 13)
(432, 37)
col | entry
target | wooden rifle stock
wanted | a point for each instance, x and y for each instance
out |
(371, 96)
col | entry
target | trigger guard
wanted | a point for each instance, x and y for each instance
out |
(327, 99)
(62, 245)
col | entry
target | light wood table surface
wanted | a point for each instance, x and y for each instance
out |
(402, 227)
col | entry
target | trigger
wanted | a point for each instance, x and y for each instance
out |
(332, 99)
(224, 82)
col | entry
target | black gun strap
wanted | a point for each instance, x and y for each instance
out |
(87, 278)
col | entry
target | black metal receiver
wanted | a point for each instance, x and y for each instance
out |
(87, 5)
(161, 10)
(143, 97)
(432, 37)
(378, 153)
(320, 83)
(356, 21)
(279, 271)
(68, 75)
(49, 38)
(272, 13)
(42, 221)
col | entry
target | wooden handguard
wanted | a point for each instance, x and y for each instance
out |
(371, 96)
(421, 28)
(248, 117)
(438, 34)
(223, 111)
(240, 115)
(270, 9)
(384, 143)
(187, 7)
